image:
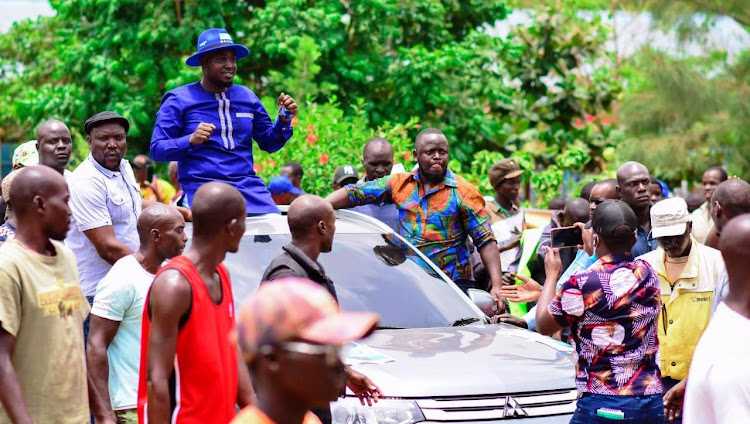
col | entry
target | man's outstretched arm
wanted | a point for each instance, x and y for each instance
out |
(169, 301)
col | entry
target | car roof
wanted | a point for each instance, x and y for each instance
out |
(347, 222)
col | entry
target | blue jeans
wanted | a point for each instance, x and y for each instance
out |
(636, 409)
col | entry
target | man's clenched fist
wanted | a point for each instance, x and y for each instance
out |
(202, 133)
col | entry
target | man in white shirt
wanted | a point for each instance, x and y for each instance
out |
(718, 390)
(106, 202)
(115, 331)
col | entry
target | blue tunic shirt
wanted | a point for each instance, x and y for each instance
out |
(227, 156)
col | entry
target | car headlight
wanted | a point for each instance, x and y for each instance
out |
(386, 411)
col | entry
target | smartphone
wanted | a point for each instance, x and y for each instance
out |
(566, 237)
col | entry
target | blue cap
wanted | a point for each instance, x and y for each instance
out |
(282, 184)
(216, 39)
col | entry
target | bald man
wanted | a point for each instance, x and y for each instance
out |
(42, 309)
(377, 159)
(54, 144)
(718, 390)
(633, 182)
(115, 330)
(313, 224)
(187, 330)
(729, 200)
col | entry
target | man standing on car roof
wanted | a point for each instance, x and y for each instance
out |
(438, 212)
(313, 224)
(208, 126)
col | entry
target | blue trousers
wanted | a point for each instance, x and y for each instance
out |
(636, 409)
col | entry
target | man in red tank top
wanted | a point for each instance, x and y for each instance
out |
(189, 361)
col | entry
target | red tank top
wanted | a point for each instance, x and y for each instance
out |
(203, 385)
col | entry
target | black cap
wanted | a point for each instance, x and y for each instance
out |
(613, 219)
(344, 173)
(103, 117)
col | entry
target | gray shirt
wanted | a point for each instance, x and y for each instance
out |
(100, 197)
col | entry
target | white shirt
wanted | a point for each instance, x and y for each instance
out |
(718, 387)
(702, 223)
(100, 197)
(121, 296)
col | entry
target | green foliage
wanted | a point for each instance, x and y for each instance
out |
(325, 137)
(358, 68)
(683, 115)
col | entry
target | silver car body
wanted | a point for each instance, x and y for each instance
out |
(461, 374)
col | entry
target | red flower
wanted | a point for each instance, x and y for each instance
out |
(323, 159)
(271, 162)
(256, 168)
(312, 138)
(407, 157)
(310, 128)
(295, 121)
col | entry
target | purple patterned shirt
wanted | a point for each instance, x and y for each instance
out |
(612, 308)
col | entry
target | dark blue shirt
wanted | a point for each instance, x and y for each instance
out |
(227, 156)
(644, 243)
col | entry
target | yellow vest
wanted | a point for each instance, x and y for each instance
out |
(686, 305)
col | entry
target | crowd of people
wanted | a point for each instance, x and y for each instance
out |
(135, 328)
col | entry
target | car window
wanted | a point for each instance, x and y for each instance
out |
(371, 272)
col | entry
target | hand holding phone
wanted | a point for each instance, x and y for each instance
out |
(566, 237)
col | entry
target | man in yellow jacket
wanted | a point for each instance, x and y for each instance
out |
(688, 272)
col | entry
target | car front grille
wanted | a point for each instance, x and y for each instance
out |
(494, 407)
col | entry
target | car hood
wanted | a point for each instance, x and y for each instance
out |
(470, 360)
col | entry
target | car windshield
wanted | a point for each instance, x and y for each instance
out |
(371, 272)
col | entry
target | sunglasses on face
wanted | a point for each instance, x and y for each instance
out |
(332, 353)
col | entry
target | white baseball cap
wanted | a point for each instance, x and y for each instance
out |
(669, 218)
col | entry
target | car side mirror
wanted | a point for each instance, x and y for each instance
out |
(484, 301)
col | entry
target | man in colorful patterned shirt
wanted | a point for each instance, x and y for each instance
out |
(612, 309)
(437, 211)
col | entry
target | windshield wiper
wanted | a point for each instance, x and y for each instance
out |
(464, 321)
(386, 327)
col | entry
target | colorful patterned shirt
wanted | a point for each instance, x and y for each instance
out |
(612, 308)
(437, 222)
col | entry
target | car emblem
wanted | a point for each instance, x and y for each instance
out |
(513, 408)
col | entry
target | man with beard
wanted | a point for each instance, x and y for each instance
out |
(438, 212)
(208, 126)
(105, 201)
(687, 272)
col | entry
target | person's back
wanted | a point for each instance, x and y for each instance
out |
(718, 388)
(612, 309)
(189, 371)
(205, 362)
